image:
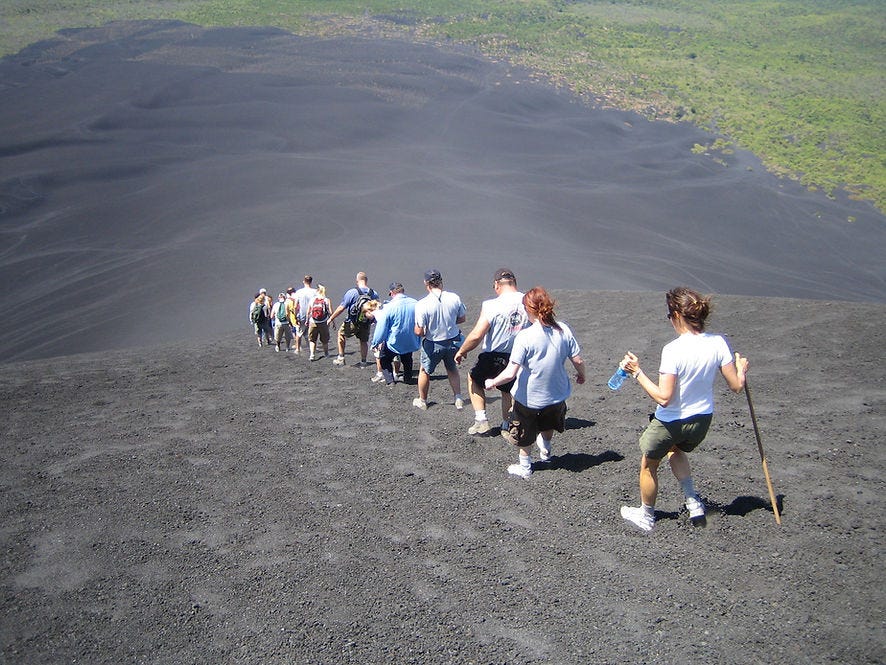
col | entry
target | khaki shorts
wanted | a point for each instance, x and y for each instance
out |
(319, 331)
(526, 423)
(686, 434)
(351, 329)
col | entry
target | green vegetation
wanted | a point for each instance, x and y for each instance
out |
(798, 82)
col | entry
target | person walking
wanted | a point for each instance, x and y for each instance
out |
(280, 314)
(318, 328)
(303, 299)
(437, 317)
(355, 325)
(501, 318)
(684, 395)
(259, 313)
(542, 384)
(395, 333)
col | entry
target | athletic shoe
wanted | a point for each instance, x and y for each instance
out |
(398, 378)
(378, 378)
(695, 507)
(520, 470)
(340, 360)
(638, 517)
(479, 427)
(277, 348)
(313, 358)
(459, 403)
(544, 451)
(419, 403)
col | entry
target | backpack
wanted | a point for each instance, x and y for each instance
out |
(282, 316)
(319, 310)
(355, 311)
(258, 314)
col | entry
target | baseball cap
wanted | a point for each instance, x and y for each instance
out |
(262, 290)
(395, 286)
(432, 274)
(504, 274)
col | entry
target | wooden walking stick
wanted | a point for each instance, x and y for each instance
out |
(747, 392)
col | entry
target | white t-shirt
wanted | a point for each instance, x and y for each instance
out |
(695, 359)
(506, 317)
(438, 316)
(540, 351)
(305, 298)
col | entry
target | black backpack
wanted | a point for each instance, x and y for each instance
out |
(355, 311)
(258, 314)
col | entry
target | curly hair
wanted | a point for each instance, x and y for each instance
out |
(540, 303)
(691, 305)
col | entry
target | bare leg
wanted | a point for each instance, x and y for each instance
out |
(649, 480)
(478, 394)
(424, 384)
(454, 381)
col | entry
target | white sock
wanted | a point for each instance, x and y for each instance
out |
(480, 415)
(525, 461)
(649, 510)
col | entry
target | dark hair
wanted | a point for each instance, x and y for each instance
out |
(542, 305)
(691, 305)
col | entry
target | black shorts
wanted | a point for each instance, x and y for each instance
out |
(489, 365)
(526, 423)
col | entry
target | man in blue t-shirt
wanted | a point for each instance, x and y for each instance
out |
(353, 327)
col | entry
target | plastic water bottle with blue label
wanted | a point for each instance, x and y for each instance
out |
(618, 378)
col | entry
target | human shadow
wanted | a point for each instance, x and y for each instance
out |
(742, 506)
(578, 462)
(579, 423)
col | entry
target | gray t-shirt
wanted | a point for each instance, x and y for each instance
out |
(438, 315)
(506, 317)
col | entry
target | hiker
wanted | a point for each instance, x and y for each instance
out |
(281, 315)
(258, 317)
(318, 328)
(353, 304)
(395, 333)
(685, 398)
(303, 299)
(542, 383)
(501, 318)
(437, 317)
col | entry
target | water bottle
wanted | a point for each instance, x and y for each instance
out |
(617, 379)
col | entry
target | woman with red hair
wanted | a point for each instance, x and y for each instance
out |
(542, 384)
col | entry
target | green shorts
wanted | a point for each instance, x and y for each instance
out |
(659, 437)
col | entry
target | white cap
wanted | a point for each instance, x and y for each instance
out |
(262, 290)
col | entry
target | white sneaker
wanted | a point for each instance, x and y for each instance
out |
(544, 450)
(419, 403)
(479, 427)
(398, 378)
(340, 360)
(459, 403)
(313, 358)
(638, 517)
(520, 470)
(695, 507)
(277, 348)
(378, 378)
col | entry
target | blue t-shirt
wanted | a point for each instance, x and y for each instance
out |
(395, 324)
(540, 351)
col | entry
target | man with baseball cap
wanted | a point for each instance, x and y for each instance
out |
(437, 317)
(501, 318)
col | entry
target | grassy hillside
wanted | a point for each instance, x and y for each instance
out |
(799, 82)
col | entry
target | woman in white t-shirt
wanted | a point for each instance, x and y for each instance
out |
(542, 383)
(685, 397)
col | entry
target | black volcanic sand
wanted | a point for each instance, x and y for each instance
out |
(226, 504)
(154, 175)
